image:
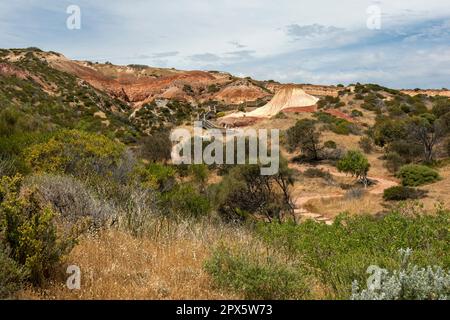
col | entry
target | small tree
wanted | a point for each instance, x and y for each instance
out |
(305, 136)
(428, 131)
(355, 163)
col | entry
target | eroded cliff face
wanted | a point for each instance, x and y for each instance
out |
(431, 93)
(142, 84)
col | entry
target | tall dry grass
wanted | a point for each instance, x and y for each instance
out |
(167, 263)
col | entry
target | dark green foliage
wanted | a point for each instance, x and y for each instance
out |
(341, 253)
(400, 193)
(305, 137)
(393, 161)
(335, 124)
(186, 201)
(414, 175)
(12, 275)
(330, 144)
(245, 192)
(355, 163)
(356, 113)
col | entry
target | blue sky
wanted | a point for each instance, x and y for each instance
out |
(320, 41)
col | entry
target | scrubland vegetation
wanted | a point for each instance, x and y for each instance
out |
(105, 198)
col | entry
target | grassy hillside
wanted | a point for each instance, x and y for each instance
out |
(86, 181)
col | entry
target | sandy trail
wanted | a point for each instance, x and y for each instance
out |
(300, 211)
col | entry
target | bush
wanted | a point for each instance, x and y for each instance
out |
(12, 275)
(338, 254)
(409, 282)
(72, 199)
(393, 161)
(255, 278)
(355, 163)
(186, 201)
(400, 193)
(76, 152)
(317, 173)
(29, 230)
(330, 144)
(156, 147)
(448, 147)
(416, 175)
(366, 144)
(356, 113)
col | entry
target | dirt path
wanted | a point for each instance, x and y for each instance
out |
(301, 211)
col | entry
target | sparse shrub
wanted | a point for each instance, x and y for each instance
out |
(354, 193)
(330, 144)
(138, 210)
(156, 147)
(317, 173)
(400, 193)
(254, 277)
(356, 113)
(186, 201)
(220, 114)
(245, 192)
(393, 161)
(409, 282)
(72, 199)
(366, 144)
(280, 115)
(447, 146)
(409, 151)
(12, 275)
(414, 175)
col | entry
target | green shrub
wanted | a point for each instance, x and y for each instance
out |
(12, 275)
(185, 200)
(317, 173)
(76, 152)
(254, 277)
(356, 113)
(414, 175)
(337, 255)
(355, 163)
(29, 230)
(399, 193)
(330, 144)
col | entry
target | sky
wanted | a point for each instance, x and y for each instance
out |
(395, 43)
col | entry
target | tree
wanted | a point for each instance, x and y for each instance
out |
(304, 135)
(428, 131)
(245, 192)
(355, 163)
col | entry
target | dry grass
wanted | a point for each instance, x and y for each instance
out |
(331, 207)
(438, 191)
(115, 265)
